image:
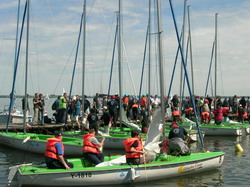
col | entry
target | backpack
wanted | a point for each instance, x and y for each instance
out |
(53, 107)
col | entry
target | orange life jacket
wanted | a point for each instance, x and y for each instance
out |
(134, 106)
(128, 143)
(176, 113)
(88, 146)
(50, 147)
(125, 100)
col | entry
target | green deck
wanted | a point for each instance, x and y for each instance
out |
(79, 164)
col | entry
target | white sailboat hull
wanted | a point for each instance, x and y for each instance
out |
(15, 118)
(119, 175)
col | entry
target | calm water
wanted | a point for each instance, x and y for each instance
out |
(234, 171)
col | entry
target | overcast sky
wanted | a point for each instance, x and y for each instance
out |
(54, 29)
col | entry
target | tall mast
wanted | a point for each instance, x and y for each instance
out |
(149, 55)
(215, 56)
(190, 48)
(183, 41)
(119, 42)
(26, 67)
(83, 55)
(161, 65)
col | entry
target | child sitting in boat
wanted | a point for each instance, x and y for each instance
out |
(134, 149)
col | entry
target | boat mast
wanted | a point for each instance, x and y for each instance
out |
(183, 40)
(26, 67)
(120, 57)
(190, 48)
(113, 56)
(161, 75)
(149, 55)
(215, 56)
(83, 55)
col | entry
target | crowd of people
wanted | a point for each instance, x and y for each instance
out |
(207, 108)
(104, 110)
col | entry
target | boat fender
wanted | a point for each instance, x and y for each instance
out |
(26, 139)
(238, 148)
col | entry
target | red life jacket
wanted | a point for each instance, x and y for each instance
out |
(176, 113)
(143, 101)
(88, 146)
(128, 143)
(225, 111)
(50, 147)
(205, 115)
(189, 110)
(244, 115)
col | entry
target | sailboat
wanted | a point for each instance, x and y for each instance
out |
(13, 114)
(115, 170)
(29, 141)
(231, 128)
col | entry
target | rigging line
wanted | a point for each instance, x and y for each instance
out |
(54, 24)
(113, 56)
(127, 62)
(173, 71)
(106, 52)
(143, 61)
(64, 68)
(74, 68)
(209, 71)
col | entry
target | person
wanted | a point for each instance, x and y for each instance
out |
(63, 108)
(144, 119)
(175, 103)
(27, 105)
(55, 106)
(205, 113)
(134, 149)
(36, 108)
(41, 105)
(76, 111)
(143, 101)
(113, 109)
(177, 144)
(97, 102)
(93, 119)
(86, 104)
(54, 153)
(107, 120)
(218, 115)
(91, 148)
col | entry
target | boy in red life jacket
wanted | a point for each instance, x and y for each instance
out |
(134, 149)
(54, 153)
(91, 148)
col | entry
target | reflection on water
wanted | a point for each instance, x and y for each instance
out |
(234, 171)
